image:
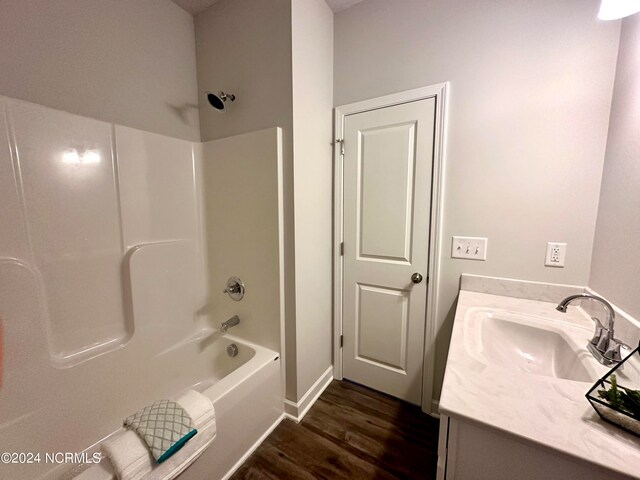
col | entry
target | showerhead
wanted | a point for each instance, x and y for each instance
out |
(218, 100)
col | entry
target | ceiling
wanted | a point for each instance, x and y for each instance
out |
(339, 5)
(196, 6)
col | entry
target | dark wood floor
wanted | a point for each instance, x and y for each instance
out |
(351, 432)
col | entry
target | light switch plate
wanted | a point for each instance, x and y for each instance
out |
(556, 253)
(469, 248)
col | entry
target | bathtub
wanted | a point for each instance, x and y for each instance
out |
(246, 392)
(249, 404)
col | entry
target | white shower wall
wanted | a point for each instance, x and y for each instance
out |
(243, 225)
(69, 234)
(102, 269)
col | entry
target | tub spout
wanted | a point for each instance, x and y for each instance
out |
(232, 322)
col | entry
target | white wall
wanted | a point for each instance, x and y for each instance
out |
(276, 57)
(312, 53)
(126, 62)
(529, 103)
(244, 48)
(615, 268)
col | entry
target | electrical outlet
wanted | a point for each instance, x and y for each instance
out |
(469, 248)
(556, 253)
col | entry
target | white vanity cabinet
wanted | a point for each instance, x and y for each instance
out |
(468, 451)
(513, 403)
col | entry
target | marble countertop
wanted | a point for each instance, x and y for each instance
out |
(546, 411)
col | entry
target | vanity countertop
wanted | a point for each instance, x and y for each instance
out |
(551, 412)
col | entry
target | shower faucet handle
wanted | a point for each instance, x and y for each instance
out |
(235, 289)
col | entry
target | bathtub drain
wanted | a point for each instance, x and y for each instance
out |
(232, 350)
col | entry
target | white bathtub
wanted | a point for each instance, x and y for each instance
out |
(249, 404)
(247, 394)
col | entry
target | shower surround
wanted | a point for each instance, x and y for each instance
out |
(113, 246)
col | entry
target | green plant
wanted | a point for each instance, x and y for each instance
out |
(621, 398)
(631, 401)
(613, 394)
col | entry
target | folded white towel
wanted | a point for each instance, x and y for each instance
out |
(195, 404)
(99, 471)
(132, 459)
(129, 455)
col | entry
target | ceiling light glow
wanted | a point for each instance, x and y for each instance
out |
(91, 156)
(71, 156)
(614, 9)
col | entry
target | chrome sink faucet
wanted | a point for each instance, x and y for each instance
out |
(603, 346)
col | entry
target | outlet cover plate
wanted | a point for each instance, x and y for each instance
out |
(556, 254)
(469, 248)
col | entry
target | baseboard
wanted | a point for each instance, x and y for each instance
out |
(253, 448)
(297, 411)
(434, 409)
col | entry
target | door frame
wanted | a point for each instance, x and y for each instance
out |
(439, 92)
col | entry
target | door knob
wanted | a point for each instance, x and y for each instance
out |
(416, 278)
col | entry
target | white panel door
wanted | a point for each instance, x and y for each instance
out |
(388, 157)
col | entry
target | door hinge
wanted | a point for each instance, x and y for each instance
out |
(341, 340)
(341, 142)
(341, 248)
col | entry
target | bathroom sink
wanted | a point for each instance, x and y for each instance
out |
(529, 344)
